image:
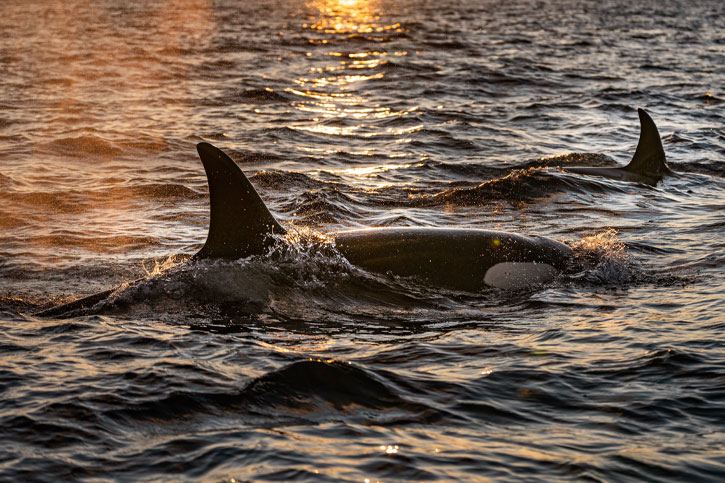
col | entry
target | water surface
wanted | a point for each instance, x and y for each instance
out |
(298, 366)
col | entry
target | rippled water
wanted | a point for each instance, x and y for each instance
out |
(351, 113)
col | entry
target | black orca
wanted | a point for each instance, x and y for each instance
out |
(469, 259)
(648, 165)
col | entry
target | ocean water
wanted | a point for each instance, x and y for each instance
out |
(296, 365)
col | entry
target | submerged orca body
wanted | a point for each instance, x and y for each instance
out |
(648, 165)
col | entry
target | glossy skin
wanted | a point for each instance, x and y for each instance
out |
(446, 257)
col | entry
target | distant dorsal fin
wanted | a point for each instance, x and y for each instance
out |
(240, 223)
(649, 158)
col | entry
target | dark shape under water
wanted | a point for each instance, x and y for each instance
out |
(648, 164)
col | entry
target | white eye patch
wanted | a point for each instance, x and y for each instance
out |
(514, 275)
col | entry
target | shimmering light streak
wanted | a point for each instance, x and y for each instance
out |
(329, 90)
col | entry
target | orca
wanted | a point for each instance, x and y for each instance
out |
(459, 258)
(648, 165)
(467, 259)
(464, 258)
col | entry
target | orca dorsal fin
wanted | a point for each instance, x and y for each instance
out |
(649, 158)
(240, 223)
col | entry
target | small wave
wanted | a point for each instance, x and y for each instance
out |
(286, 180)
(519, 185)
(662, 363)
(7, 348)
(157, 191)
(242, 156)
(46, 434)
(233, 45)
(572, 159)
(52, 202)
(317, 207)
(709, 99)
(306, 384)
(10, 222)
(217, 66)
(55, 82)
(300, 388)
(403, 65)
(448, 45)
(80, 201)
(266, 95)
(144, 143)
(706, 168)
(96, 243)
(86, 145)
(262, 95)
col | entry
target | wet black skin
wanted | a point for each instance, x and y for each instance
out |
(446, 257)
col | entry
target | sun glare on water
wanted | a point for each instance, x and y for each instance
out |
(349, 3)
(336, 90)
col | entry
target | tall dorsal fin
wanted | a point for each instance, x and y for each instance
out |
(649, 158)
(240, 223)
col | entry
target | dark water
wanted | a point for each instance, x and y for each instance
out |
(345, 114)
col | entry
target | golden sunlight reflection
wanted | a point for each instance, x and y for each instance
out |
(348, 16)
(355, 130)
(370, 170)
(79, 74)
(389, 449)
(133, 68)
(336, 89)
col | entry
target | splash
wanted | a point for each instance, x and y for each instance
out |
(165, 264)
(604, 243)
(602, 259)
